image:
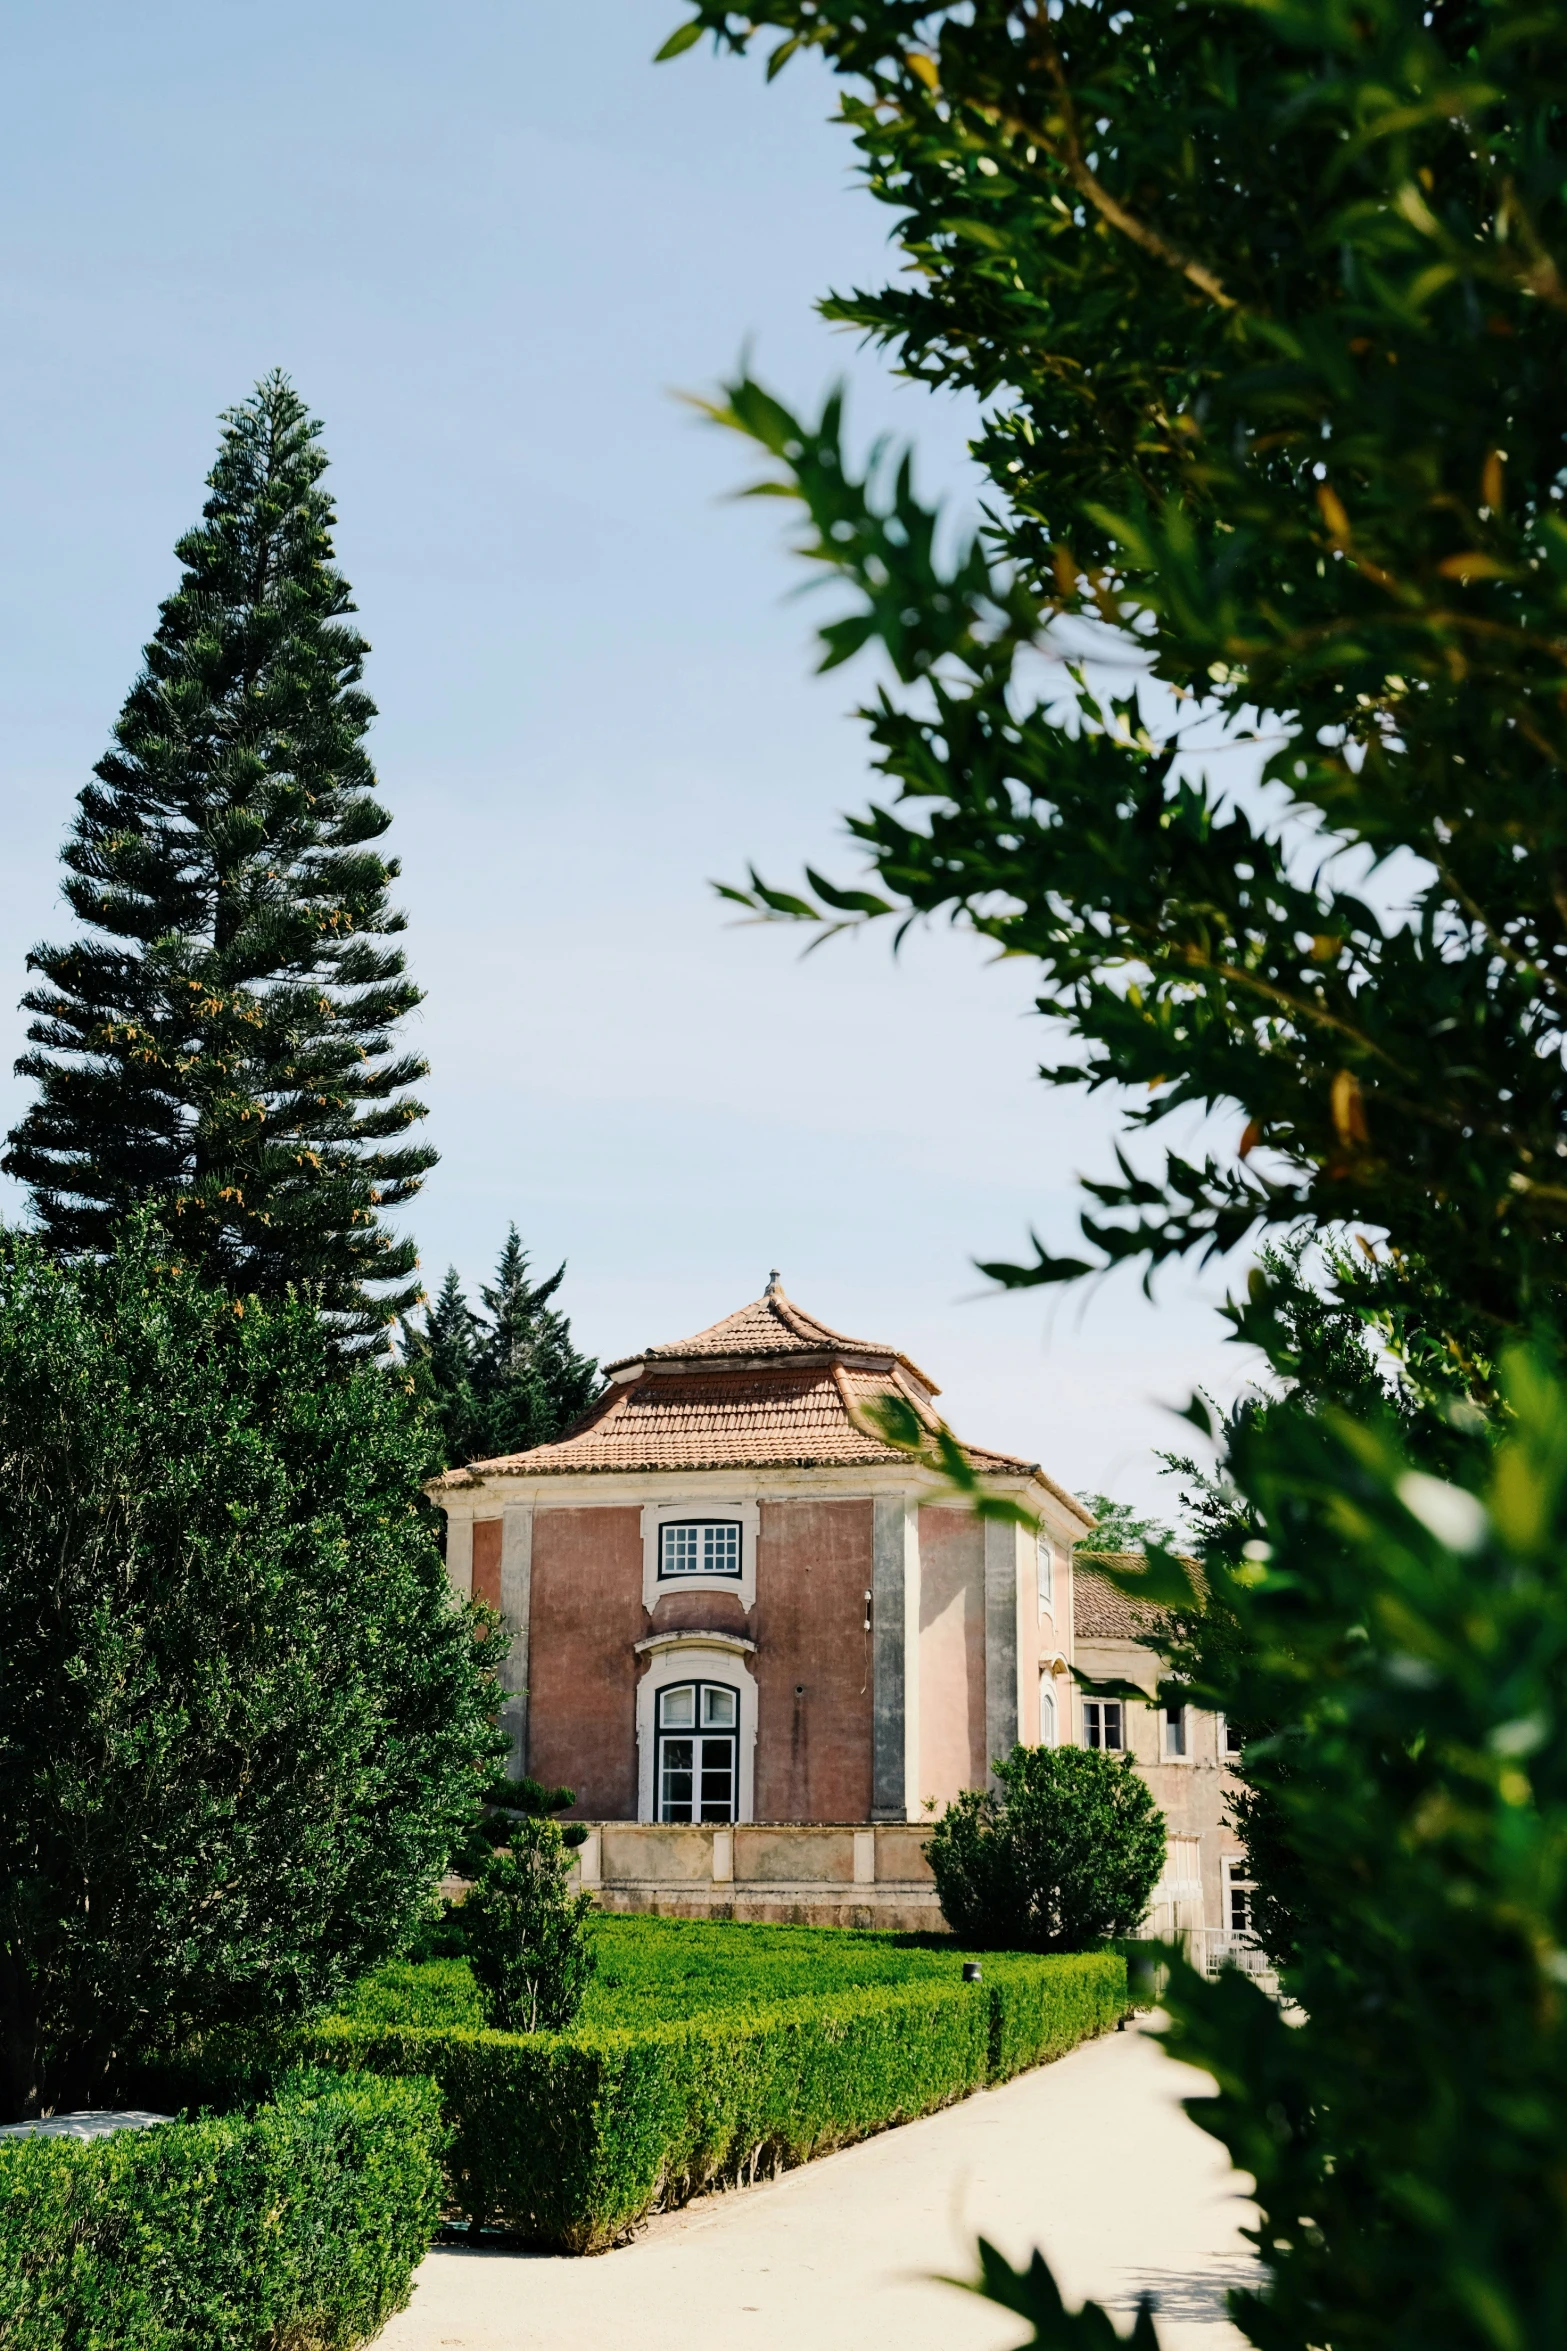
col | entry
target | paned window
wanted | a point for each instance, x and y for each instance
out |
(699, 1546)
(1230, 1740)
(1103, 1724)
(1237, 1898)
(1175, 1740)
(698, 1751)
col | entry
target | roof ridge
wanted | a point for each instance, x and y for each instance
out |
(770, 1325)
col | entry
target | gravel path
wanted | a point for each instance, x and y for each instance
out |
(1091, 2158)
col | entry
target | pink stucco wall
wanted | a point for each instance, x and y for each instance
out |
(586, 1615)
(952, 1653)
(813, 1680)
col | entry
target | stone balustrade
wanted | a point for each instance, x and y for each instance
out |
(819, 1875)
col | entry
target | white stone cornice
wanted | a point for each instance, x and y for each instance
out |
(735, 1644)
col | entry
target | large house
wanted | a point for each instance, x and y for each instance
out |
(763, 1644)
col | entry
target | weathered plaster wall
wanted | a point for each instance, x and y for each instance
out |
(699, 1612)
(1190, 1794)
(813, 1663)
(952, 1653)
(586, 1610)
(487, 1561)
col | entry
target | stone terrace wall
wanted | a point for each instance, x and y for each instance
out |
(781, 1876)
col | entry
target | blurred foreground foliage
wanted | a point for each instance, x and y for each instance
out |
(1265, 307)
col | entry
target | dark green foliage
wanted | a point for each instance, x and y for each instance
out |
(218, 1041)
(441, 1356)
(1118, 1527)
(241, 1719)
(1314, 1336)
(571, 2139)
(527, 1937)
(1034, 2295)
(1408, 1636)
(507, 1378)
(1266, 303)
(494, 1823)
(301, 2224)
(1062, 1855)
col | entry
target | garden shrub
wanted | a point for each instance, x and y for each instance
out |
(232, 1662)
(527, 1935)
(571, 2139)
(1065, 1853)
(298, 2224)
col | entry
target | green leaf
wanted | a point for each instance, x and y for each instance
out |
(684, 37)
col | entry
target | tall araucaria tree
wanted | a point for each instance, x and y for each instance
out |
(217, 1043)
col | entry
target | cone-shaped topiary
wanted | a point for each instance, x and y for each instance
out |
(218, 1043)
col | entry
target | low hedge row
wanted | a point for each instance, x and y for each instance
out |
(570, 2139)
(298, 2225)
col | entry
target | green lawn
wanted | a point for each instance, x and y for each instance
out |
(653, 1969)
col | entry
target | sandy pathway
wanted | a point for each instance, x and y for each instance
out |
(1092, 2158)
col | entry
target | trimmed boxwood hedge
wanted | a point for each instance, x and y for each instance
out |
(570, 2139)
(300, 2224)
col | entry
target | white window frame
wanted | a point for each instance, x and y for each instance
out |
(656, 1516)
(1238, 1878)
(1222, 1747)
(1184, 1753)
(1120, 1706)
(698, 1730)
(695, 1657)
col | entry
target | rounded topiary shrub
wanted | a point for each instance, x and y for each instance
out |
(1065, 1853)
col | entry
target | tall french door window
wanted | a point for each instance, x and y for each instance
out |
(698, 1751)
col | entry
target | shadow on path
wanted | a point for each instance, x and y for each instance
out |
(1193, 2295)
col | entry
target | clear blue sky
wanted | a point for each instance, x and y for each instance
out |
(489, 240)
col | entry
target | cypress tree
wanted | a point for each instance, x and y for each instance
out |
(531, 1381)
(443, 1356)
(218, 1041)
(505, 1379)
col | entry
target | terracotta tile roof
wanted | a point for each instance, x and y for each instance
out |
(771, 1325)
(767, 1388)
(1102, 1612)
(717, 1419)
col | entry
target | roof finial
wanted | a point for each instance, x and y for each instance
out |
(773, 1282)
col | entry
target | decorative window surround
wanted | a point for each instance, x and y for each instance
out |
(658, 1515)
(693, 1657)
(1047, 1711)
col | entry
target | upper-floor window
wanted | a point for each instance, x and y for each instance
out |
(1238, 1892)
(1104, 1724)
(1177, 1742)
(699, 1546)
(1045, 1570)
(1230, 1741)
